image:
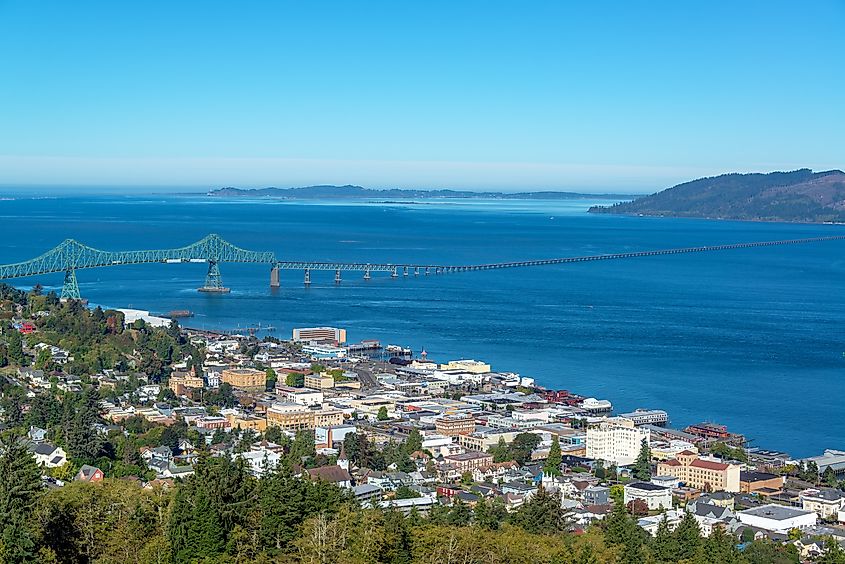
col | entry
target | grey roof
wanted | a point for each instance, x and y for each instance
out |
(647, 486)
(44, 448)
(775, 512)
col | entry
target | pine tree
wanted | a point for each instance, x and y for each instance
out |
(664, 546)
(720, 548)
(20, 487)
(688, 534)
(642, 466)
(414, 441)
(554, 460)
(14, 347)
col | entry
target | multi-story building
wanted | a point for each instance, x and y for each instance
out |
(701, 473)
(473, 366)
(483, 440)
(615, 440)
(778, 518)
(319, 381)
(468, 461)
(308, 334)
(654, 496)
(302, 396)
(647, 416)
(182, 382)
(454, 425)
(750, 482)
(243, 421)
(292, 416)
(247, 379)
(826, 502)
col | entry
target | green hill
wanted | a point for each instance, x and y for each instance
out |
(800, 195)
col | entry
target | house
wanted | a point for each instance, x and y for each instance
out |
(332, 474)
(826, 502)
(655, 497)
(48, 455)
(261, 460)
(89, 474)
(367, 493)
(596, 495)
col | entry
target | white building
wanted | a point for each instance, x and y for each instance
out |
(778, 518)
(261, 460)
(130, 316)
(826, 502)
(615, 440)
(656, 497)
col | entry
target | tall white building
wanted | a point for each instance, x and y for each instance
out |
(616, 440)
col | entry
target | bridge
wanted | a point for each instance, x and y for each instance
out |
(71, 255)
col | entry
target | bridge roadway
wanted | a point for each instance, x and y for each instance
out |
(70, 256)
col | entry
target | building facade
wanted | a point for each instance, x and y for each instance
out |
(700, 473)
(247, 379)
(455, 425)
(615, 440)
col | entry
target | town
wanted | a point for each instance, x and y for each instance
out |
(106, 396)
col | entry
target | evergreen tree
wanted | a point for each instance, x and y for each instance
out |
(542, 514)
(14, 347)
(720, 548)
(20, 487)
(688, 534)
(664, 546)
(554, 460)
(642, 466)
(414, 441)
(833, 553)
(382, 414)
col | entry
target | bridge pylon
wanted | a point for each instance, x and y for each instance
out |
(70, 289)
(274, 277)
(213, 280)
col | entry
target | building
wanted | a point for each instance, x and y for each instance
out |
(242, 421)
(290, 416)
(701, 473)
(833, 459)
(302, 396)
(319, 381)
(647, 417)
(326, 436)
(655, 497)
(469, 461)
(778, 518)
(472, 366)
(826, 502)
(750, 482)
(454, 425)
(615, 440)
(247, 379)
(182, 382)
(89, 474)
(48, 455)
(308, 334)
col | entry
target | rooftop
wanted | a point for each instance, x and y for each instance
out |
(775, 512)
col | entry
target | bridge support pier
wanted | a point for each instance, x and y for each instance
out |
(337, 276)
(70, 289)
(274, 277)
(367, 274)
(393, 273)
(405, 272)
(307, 276)
(416, 271)
(213, 281)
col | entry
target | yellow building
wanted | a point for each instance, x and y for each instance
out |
(243, 422)
(181, 382)
(699, 473)
(319, 381)
(474, 366)
(294, 417)
(245, 379)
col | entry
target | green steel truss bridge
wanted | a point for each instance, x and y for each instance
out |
(71, 255)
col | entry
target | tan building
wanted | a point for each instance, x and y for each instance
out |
(332, 334)
(469, 461)
(750, 482)
(181, 382)
(699, 473)
(483, 441)
(455, 425)
(247, 379)
(244, 422)
(473, 366)
(294, 417)
(319, 381)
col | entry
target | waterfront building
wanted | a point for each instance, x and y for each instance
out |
(701, 473)
(247, 379)
(308, 334)
(615, 440)
(596, 406)
(455, 425)
(778, 518)
(655, 497)
(647, 417)
(472, 366)
(833, 459)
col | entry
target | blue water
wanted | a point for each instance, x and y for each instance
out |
(749, 338)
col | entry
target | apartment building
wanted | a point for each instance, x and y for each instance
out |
(247, 379)
(615, 439)
(701, 473)
(455, 425)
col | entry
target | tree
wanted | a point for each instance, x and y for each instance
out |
(295, 379)
(554, 460)
(20, 487)
(642, 466)
(271, 379)
(664, 547)
(382, 414)
(522, 447)
(14, 347)
(542, 514)
(688, 534)
(414, 441)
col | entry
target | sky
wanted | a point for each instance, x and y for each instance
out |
(592, 96)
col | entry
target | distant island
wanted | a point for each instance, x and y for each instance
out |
(796, 196)
(358, 192)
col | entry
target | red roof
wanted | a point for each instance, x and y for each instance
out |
(686, 453)
(709, 465)
(672, 462)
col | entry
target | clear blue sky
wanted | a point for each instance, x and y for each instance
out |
(623, 96)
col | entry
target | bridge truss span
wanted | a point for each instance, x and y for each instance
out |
(71, 255)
